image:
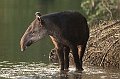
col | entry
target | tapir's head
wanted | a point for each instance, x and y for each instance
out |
(34, 32)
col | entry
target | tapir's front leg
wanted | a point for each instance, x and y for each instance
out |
(60, 51)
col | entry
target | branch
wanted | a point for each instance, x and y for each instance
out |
(107, 9)
(107, 52)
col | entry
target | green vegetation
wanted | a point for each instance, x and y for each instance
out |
(97, 10)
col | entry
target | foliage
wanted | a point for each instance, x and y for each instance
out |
(101, 9)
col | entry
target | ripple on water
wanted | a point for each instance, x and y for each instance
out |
(24, 70)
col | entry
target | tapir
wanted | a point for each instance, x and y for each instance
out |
(67, 29)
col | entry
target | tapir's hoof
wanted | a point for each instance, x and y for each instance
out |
(66, 70)
(79, 70)
(63, 72)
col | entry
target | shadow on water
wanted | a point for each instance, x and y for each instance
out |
(39, 70)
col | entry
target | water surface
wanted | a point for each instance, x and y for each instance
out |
(39, 70)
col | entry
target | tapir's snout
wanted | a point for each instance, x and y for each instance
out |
(26, 45)
(23, 46)
(29, 43)
(23, 49)
(25, 42)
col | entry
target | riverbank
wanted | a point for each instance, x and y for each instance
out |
(104, 45)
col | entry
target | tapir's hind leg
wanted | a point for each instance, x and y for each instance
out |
(81, 54)
(60, 52)
(66, 57)
(76, 57)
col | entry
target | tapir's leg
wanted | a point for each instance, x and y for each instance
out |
(76, 56)
(81, 54)
(53, 57)
(66, 53)
(60, 52)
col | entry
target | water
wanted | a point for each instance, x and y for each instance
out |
(15, 16)
(39, 70)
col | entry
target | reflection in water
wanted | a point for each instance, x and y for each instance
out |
(39, 70)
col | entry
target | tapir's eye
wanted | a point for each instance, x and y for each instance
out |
(32, 32)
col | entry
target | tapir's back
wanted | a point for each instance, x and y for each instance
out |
(72, 25)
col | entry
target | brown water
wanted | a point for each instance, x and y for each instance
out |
(39, 70)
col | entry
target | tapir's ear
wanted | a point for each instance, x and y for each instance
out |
(38, 15)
